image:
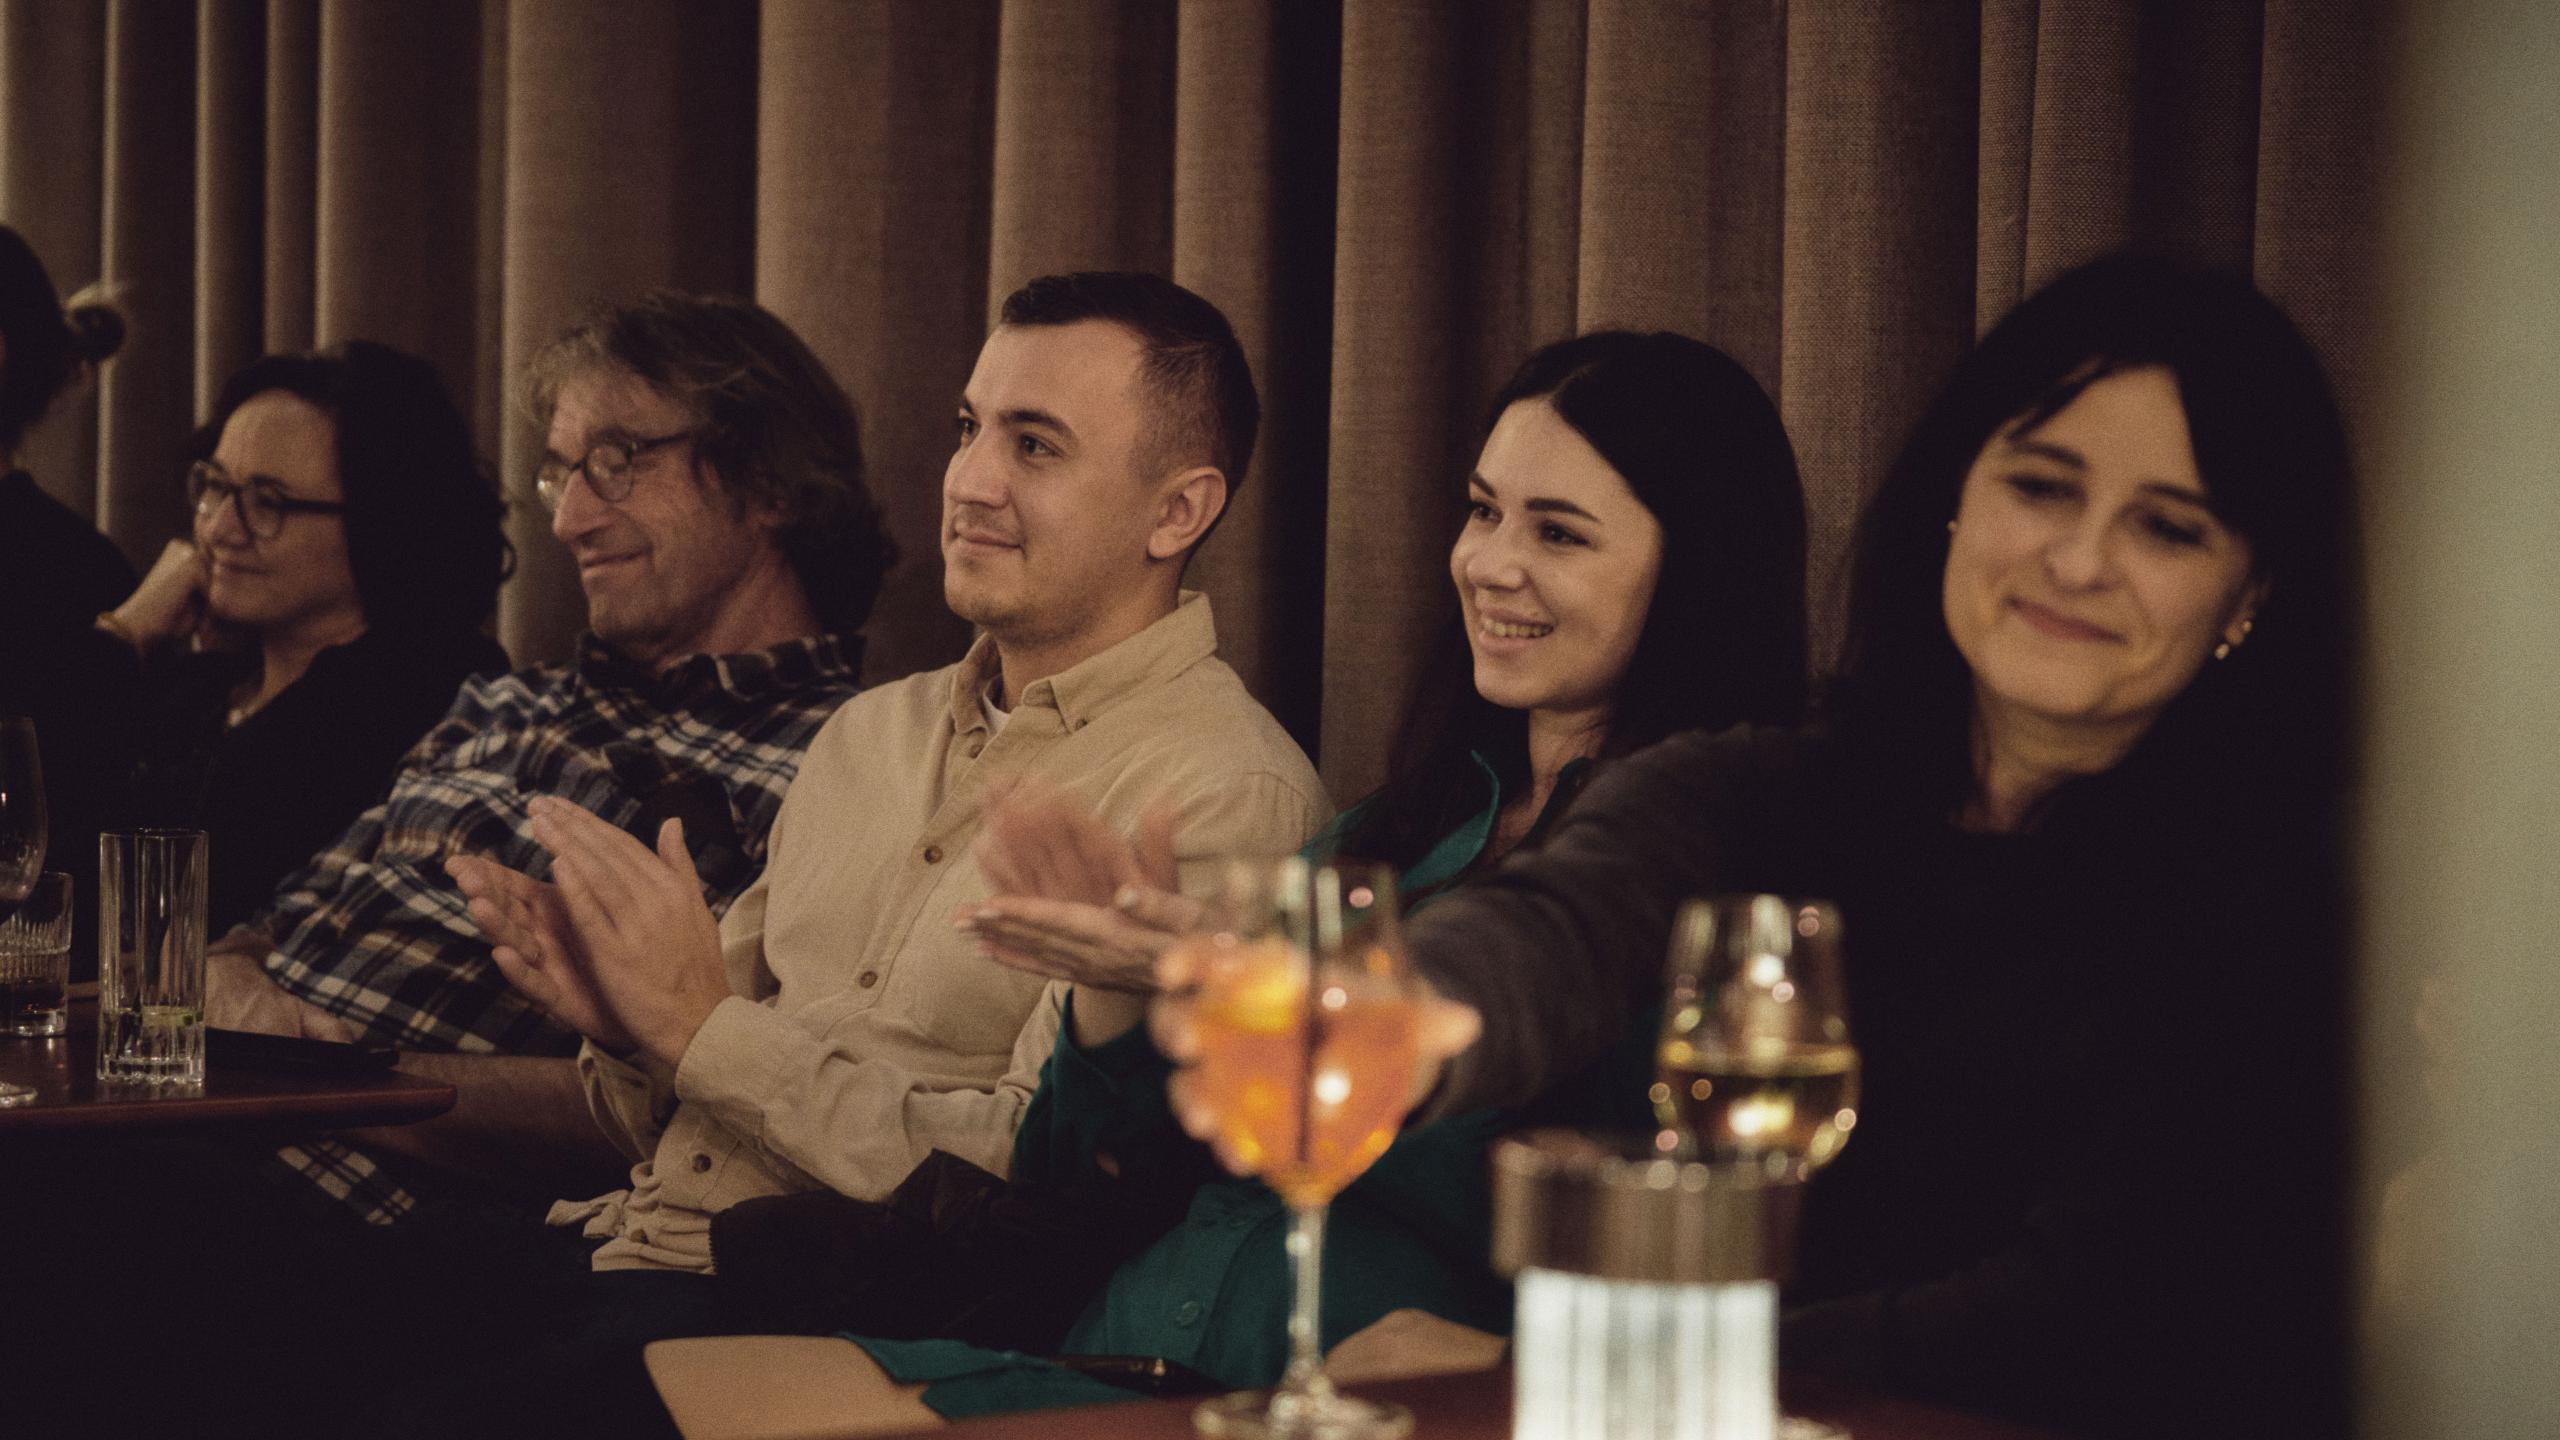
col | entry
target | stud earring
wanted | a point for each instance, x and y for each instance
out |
(1951, 527)
(2223, 650)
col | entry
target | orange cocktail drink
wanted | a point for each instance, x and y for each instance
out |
(1307, 1069)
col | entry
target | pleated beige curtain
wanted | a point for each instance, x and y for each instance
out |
(1393, 199)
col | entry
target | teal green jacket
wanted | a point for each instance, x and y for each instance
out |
(1214, 1293)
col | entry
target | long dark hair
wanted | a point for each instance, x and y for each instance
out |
(2264, 728)
(424, 521)
(1699, 444)
(48, 346)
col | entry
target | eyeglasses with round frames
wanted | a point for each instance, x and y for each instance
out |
(608, 466)
(264, 507)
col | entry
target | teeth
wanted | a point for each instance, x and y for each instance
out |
(1501, 631)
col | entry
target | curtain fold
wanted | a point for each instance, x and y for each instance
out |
(293, 173)
(1253, 230)
(145, 401)
(1393, 200)
(1879, 250)
(1083, 160)
(53, 70)
(630, 164)
(230, 281)
(873, 144)
(397, 229)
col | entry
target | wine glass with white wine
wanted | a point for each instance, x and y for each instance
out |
(22, 834)
(1755, 1066)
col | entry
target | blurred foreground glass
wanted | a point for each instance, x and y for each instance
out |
(1306, 1021)
(22, 815)
(1647, 1267)
(1755, 1064)
(35, 958)
(151, 897)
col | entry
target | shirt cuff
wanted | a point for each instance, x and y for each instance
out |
(744, 1055)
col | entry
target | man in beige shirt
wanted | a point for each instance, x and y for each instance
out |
(835, 1026)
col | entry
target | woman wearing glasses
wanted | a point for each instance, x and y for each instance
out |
(346, 551)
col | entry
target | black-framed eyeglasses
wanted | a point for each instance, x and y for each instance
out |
(608, 466)
(264, 507)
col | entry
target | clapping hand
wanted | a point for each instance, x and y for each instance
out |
(1073, 899)
(620, 945)
(536, 947)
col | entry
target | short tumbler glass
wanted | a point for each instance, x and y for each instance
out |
(35, 959)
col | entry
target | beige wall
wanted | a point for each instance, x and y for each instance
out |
(2463, 826)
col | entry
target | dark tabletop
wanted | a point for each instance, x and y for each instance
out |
(1478, 1407)
(64, 1072)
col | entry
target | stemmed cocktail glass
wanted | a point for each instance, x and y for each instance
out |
(1305, 1021)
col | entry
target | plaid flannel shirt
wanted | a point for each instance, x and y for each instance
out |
(373, 931)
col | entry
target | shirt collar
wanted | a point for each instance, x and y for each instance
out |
(1087, 689)
(749, 675)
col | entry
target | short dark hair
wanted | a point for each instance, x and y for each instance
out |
(2271, 448)
(775, 427)
(1700, 445)
(425, 527)
(1205, 409)
(48, 346)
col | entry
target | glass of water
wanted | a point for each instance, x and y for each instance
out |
(151, 897)
(35, 958)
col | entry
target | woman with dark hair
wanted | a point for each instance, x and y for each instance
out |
(1630, 565)
(347, 544)
(1691, 438)
(2078, 794)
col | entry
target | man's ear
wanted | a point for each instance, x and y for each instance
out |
(1186, 506)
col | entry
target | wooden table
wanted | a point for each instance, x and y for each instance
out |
(1478, 1407)
(64, 1072)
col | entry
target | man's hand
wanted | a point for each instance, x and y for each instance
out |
(239, 995)
(1098, 947)
(651, 944)
(536, 947)
(1042, 843)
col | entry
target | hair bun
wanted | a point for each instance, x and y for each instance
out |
(97, 332)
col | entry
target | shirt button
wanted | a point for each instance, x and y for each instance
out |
(933, 854)
(1187, 1314)
(701, 1163)
(868, 979)
(977, 748)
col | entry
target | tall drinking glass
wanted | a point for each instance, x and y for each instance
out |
(1755, 1064)
(1307, 1022)
(151, 896)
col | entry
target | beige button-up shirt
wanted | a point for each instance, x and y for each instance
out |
(865, 1030)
